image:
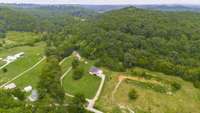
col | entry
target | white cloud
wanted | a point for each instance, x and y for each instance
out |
(104, 1)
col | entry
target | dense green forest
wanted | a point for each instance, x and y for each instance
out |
(36, 19)
(161, 41)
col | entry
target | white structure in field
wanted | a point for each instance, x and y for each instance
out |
(28, 89)
(96, 71)
(77, 55)
(34, 96)
(10, 86)
(10, 59)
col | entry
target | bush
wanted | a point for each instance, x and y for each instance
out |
(175, 86)
(196, 84)
(19, 94)
(78, 73)
(75, 63)
(5, 70)
(133, 94)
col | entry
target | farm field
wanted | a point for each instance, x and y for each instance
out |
(32, 55)
(149, 100)
(13, 39)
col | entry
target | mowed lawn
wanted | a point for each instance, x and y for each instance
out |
(185, 100)
(66, 64)
(31, 77)
(87, 85)
(32, 55)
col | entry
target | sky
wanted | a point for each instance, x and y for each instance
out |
(193, 2)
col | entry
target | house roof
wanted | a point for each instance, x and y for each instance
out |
(95, 70)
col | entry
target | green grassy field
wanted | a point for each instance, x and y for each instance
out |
(66, 64)
(31, 77)
(13, 39)
(185, 100)
(87, 85)
(32, 55)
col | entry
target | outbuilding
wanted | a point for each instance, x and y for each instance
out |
(10, 86)
(28, 89)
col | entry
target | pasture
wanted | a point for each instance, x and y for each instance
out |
(185, 100)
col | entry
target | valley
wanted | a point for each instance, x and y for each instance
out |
(72, 59)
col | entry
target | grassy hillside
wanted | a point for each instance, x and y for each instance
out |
(185, 100)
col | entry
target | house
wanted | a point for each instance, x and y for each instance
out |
(10, 86)
(95, 71)
(34, 96)
(28, 89)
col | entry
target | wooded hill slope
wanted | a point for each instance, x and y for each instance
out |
(167, 42)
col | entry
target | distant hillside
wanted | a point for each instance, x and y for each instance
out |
(74, 10)
(88, 10)
(192, 8)
(31, 20)
(104, 8)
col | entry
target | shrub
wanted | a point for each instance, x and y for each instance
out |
(75, 63)
(175, 86)
(19, 94)
(5, 70)
(133, 94)
(78, 73)
(196, 84)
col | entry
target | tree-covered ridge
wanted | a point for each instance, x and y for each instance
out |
(162, 41)
(75, 10)
(32, 20)
(16, 20)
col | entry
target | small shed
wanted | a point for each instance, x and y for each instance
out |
(95, 71)
(10, 86)
(28, 89)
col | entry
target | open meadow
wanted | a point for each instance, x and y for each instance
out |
(184, 100)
